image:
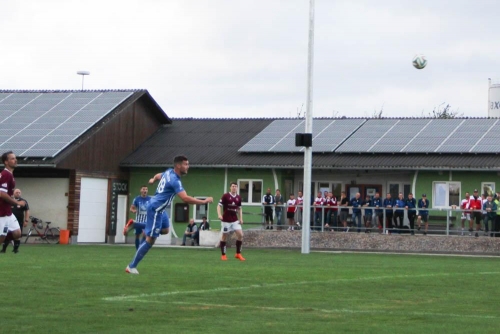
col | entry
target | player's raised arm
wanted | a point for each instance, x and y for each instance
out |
(191, 200)
(157, 177)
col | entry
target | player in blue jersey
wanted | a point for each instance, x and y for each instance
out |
(139, 207)
(169, 186)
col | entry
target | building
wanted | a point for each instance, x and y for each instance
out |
(443, 158)
(69, 145)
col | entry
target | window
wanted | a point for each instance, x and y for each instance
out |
(200, 210)
(250, 191)
(488, 188)
(396, 188)
(445, 194)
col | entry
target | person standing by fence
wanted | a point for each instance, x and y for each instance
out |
(290, 211)
(476, 205)
(278, 208)
(268, 202)
(423, 213)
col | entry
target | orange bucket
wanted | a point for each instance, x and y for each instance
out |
(64, 237)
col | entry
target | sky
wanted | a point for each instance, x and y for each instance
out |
(247, 59)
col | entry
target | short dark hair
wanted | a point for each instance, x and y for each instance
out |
(5, 156)
(180, 159)
(236, 184)
(144, 186)
(204, 217)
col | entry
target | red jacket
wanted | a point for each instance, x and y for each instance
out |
(476, 203)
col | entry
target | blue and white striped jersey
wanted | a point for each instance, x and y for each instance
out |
(169, 186)
(141, 204)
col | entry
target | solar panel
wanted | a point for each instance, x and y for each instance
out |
(279, 136)
(41, 124)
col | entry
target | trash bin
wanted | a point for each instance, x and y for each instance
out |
(64, 237)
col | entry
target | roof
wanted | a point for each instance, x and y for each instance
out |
(215, 143)
(38, 125)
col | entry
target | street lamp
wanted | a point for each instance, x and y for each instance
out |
(83, 74)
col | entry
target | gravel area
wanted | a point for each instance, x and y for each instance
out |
(374, 242)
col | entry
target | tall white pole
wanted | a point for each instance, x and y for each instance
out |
(306, 216)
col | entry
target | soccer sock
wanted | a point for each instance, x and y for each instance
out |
(6, 241)
(139, 255)
(140, 225)
(223, 247)
(238, 246)
(16, 245)
(137, 243)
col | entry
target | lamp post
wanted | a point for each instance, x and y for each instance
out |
(306, 217)
(83, 74)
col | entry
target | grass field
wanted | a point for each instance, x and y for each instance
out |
(84, 289)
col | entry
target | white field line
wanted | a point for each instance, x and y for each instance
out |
(395, 253)
(273, 285)
(343, 310)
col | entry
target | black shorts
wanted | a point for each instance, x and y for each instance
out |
(290, 215)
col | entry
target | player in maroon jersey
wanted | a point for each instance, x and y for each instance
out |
(8, 222)
(230, 203)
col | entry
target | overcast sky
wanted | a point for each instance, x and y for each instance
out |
(248, 58)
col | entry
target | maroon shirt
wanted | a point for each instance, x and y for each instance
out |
(7, 185)
(230, 205)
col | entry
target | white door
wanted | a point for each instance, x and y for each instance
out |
(93, 205)
(121, 217)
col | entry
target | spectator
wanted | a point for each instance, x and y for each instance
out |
(318, 203)
(491, 212)
(379, 213)
(299, 203)
(466, 214)
(410, 205)
(268, 202)
(290, 211)
(191, 231)
(22, 214)
(344, 211)
(497, 217)
(484, 213)
(476, 205)
(332, 210)
(278, 208)
(204, 225)
(367, 203)
(388, 204)
(423, 214)
(356, 203)
(399, 213)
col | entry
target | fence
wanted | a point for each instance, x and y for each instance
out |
(447, 221)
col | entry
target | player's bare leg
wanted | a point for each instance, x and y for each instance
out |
(239, 243)
(222, 246)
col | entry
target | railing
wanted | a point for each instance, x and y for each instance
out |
(447, 221)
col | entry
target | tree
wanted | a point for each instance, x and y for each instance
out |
(444, 112)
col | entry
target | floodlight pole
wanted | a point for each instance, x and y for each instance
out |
(306, 215)
(83, 74)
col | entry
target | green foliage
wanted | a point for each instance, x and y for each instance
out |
(84, 289)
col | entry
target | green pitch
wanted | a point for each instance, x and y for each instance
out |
(84, 289)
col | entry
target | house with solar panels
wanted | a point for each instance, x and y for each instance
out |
(443, 158)
(69, 146)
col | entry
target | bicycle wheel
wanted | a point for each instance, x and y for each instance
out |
(52, 235)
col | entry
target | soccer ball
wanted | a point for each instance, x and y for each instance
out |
(419, 62)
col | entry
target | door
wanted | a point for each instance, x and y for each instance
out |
(93, 205)
(121, 217)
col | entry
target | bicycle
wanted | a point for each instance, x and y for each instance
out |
(49, 234)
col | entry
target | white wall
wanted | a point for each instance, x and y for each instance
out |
(494, 101)
(93, 206)
(47, 198)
